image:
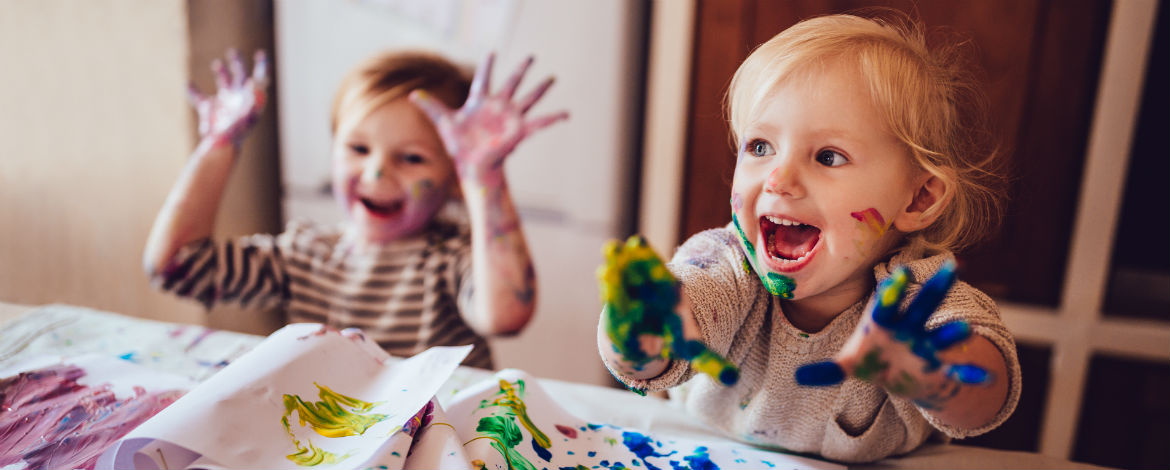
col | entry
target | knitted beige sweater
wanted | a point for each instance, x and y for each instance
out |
(854, 421)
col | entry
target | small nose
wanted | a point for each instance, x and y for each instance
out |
(784, 180)
(374, 168)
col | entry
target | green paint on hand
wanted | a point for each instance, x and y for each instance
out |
(640, 296)
(871, 365)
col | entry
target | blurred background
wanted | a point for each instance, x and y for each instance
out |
(95, 129)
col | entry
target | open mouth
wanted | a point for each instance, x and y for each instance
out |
(382, 208)
(788, 243)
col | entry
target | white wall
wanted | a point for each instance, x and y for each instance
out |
(569, 181)
(95, 129)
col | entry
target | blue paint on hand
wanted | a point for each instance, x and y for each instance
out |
(820, 374)
(968, 374)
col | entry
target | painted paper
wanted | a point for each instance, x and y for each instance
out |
(303, 398)
(511, 422)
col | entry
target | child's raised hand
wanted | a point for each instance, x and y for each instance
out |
(227, 116)
(488, 126)
(893, 349)
(640, 298)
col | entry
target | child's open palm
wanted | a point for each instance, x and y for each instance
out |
(228, 115)
(488, 127)
(892, 348)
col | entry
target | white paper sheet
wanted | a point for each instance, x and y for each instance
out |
(234, 419)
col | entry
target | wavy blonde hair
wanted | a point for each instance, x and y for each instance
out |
(929, 100)
(392, 75)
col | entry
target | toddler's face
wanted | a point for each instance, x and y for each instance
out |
(818, 182)
(391, 173)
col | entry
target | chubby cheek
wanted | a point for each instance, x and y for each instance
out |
(344, 184)
(869, 228)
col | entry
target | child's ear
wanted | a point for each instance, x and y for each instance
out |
(930, 198)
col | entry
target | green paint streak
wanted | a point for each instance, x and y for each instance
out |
(505, 435)
(509, 399)
(871, 365)
(330, 418)
(777, 284)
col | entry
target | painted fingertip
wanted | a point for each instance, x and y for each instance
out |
(820, 374)
(892, 287)
(729, 376)
(949, 334)
(969, 374)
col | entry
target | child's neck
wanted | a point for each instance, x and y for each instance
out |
(813, 314)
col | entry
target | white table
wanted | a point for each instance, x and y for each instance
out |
(198, 352)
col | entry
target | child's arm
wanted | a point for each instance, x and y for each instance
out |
(959, 378)
(479, 136)
(188, 214)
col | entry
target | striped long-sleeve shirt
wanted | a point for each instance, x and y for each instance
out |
(406, 296)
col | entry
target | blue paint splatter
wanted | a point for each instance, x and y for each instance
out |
(593, 453)
(639, 444)
(769, 464)
(541, 451)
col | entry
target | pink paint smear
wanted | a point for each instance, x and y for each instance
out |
(48, 420)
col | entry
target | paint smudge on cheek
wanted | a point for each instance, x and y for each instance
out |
(736, 202)
(423, 189)
(51, 421)
(872, 227)
(872, 220)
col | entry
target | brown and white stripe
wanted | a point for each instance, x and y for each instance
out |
(404, 295)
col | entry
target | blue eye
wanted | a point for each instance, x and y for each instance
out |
(759, 148)
(831, 158)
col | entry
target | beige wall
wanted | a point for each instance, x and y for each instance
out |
(94, 128)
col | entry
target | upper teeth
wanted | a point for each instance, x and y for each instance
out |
(779, 221)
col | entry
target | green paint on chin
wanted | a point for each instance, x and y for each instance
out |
(777, 284)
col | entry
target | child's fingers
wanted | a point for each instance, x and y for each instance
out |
(531, 99)
(535, 125)
(433, 108)
(235, 68)
(950, 334)
(820, 374)
(260, 69)
(929, 297)
(514, 80)
(193, 95)
(481, 83)
(888, 296)
(221, 74)
(968, 374)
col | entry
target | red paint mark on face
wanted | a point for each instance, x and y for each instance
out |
(775, 178)
(872, 219)
(567, 431)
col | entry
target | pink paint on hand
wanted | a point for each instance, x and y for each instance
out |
(48, 420)
(872, 219)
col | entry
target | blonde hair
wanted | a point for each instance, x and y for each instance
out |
(392, 75)
(930, 103)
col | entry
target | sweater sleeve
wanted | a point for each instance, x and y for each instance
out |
(711, 270)
(243, 270)
(968, 304)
